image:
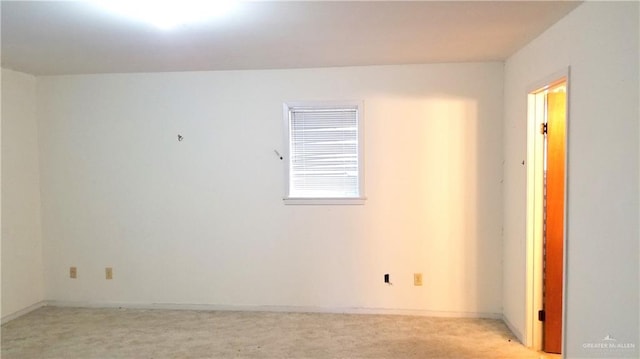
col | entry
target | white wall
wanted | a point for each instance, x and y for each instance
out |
(202, 221)
(599, 41)
(22, 278)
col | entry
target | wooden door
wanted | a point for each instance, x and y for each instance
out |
(554, 221)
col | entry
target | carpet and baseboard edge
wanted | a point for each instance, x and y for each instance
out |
(274, 308)
(21, 312)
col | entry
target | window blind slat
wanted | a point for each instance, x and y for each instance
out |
(323, 152)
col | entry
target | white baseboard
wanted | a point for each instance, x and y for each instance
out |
(272, 308)
(513, 329)
(21, 312)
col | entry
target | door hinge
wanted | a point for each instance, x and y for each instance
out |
(543, 128)
(541, 315)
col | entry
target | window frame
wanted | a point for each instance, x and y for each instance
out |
(286, 108)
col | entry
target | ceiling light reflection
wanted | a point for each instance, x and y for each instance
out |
(168, 14)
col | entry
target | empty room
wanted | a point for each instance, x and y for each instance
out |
(320, 179)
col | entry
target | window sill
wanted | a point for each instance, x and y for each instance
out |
(324, 201)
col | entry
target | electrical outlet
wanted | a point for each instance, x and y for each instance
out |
(108, 273)
(73, 272)
(417, 279)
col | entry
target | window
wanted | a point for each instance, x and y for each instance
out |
(324, 159)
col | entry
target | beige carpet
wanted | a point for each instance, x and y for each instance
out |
(52, 332)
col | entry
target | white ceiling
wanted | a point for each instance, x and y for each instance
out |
(62, 37)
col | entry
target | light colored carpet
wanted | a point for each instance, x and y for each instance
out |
(53, 332)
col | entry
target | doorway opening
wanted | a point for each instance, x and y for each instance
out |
(546, 204)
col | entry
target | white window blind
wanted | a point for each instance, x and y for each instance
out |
(324, 152)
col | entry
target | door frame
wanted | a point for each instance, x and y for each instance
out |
(533, 332)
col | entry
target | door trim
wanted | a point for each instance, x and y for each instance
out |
(533, 283)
